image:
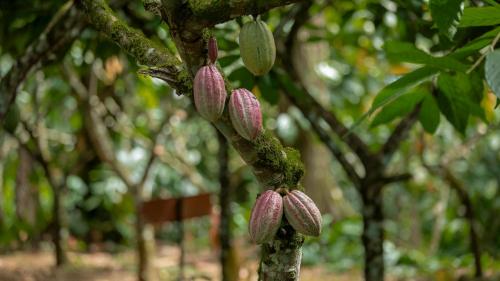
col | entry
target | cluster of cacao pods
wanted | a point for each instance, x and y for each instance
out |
(210, 98)
(267, 213)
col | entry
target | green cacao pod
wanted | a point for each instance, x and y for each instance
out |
(257, 48)
(266, 217)
(302, 213)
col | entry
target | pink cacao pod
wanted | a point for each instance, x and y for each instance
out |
(244, 110)
(302, 213)
(212, 49)
(209, 92)
(266, 217)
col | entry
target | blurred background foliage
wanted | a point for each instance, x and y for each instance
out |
(345, 62)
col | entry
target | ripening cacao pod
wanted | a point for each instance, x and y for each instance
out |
(244, 110)
(257, 48)
(266, 217)
(209, 92)
(302, 213)
(212, 49)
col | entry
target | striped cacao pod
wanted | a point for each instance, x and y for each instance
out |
(257, 48)
(244, 110)
(209, 92)
(266, 217)
(302, 213)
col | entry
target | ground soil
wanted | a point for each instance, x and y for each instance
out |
(100, 266)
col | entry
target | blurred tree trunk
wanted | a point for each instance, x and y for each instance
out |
(373, 234)
(26, 196)
(25, 205)
(3, 154)
(319, 182)
(144, 232)
(59, 225)
(144, 241)
(228, 258)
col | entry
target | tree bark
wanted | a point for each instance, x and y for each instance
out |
(229, 269)
(373, 234)
(143, 256)
(58, 226)
(280, 260)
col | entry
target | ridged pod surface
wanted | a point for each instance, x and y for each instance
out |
(302, 213)
(209, 92)
(244, 110)
(257, 48)
(266, 217)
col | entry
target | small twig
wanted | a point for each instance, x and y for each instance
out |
(489, 48)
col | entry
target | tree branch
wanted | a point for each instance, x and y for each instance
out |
(323, 135)
(147, 52)
(306, 103)
(211, 12)
(65, 27)
(398, 135)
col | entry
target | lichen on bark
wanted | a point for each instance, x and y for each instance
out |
(280, 258)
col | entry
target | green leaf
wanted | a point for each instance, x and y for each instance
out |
(476, 44)
(407, 52)
(446, 14)
(459, 96)
(480, 16)
(492, 71)
(429, 114)
(396, 89)
(401, 106)
(244, 78)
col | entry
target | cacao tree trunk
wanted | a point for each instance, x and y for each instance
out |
(373, 233)
(229, 267)
(278, 264)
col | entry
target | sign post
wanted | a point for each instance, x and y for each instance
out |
(159, 211)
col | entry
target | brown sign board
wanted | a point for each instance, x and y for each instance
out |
(174, 209)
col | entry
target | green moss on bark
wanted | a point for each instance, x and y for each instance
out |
(146, 51)
(284, 161)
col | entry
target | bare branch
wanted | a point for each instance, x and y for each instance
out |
(60, 32)
(306, 102)
(395, 178)
(398, 135)
(211, 12)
